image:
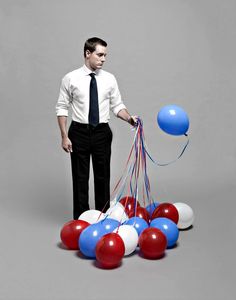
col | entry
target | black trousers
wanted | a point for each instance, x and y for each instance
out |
(87, 142)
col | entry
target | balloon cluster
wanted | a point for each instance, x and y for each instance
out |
(127, 226)
(151, 230)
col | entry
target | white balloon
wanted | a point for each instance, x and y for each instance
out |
(113, 202)
(129, 236)
(186, 215)
(92, 216)
(117, 212)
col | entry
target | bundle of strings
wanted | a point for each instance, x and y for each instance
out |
(135, 172)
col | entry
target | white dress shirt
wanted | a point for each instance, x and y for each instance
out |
(74, 92)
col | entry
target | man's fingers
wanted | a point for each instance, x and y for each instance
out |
(67, 148)
(134, 120)
(66, 145)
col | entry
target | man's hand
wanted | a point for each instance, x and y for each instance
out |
(133, 120)
(124, 115)
(66, 144)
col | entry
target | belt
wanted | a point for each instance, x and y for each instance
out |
(89, 126)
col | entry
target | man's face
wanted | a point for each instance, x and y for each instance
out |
(97, 58)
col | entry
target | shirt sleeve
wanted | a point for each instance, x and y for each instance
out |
(116, 102)
(64, 99)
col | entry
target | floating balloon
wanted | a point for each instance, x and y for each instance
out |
(89, 238)
(92, 216)
(152, 243)
(130, 204)
(151, 207)
(71, 231)
(138, 223)
(186, 215)
(166, 210)
(117, 212)
(110, 250)
(172, 119)
(169, 228)
(129, 236)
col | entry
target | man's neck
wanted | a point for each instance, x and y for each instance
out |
(89, 67)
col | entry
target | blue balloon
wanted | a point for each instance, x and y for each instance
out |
(138, 223)
(151, 207)
(109, 224)
(89, 238)
(169, 228)
(173, 120)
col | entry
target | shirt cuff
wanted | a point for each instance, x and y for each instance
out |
(118, 108)
(62, 112)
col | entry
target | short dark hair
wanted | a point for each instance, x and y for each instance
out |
(91, 44)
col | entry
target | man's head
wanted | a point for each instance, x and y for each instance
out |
(95, 53)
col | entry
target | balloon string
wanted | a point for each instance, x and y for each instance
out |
(170, 162)
(127, 163)
(136, 167)
(144, 169)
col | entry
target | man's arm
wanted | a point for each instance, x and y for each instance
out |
(124, 115)
(118, 107)
(66, 143)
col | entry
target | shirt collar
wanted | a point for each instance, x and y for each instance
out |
(88, 71)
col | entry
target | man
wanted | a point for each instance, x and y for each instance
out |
(91, 92)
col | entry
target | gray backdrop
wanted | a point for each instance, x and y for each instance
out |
(161, 52)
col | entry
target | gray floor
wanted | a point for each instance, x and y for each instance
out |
(34, 265)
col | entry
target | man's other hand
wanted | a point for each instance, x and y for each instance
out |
(66, 144)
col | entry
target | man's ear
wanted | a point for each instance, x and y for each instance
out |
(87, 53)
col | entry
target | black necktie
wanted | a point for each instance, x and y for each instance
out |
(93, 102)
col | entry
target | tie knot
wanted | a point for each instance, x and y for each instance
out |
(92, 75)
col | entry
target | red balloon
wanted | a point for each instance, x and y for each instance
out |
(166, 210)
(110, 250)
(129, 204)
(142, 213)
(152, 243)
(70, 233)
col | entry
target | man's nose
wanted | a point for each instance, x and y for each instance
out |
(103, 59)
